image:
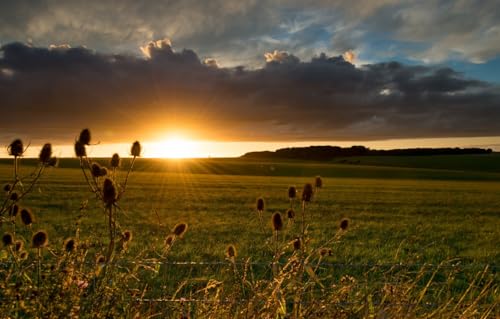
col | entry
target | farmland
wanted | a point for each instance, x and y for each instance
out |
(398, 215)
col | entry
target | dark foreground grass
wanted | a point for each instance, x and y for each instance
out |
(398, 223)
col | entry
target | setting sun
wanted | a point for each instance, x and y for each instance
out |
(174, 146)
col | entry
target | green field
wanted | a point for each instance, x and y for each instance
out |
(399, 215)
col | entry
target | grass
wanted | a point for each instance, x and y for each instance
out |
(399, 216)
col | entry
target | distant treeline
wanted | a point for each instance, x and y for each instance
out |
(330, 152)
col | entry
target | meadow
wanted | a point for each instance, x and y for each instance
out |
(407, 217)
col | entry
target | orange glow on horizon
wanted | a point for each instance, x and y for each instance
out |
(182, 145)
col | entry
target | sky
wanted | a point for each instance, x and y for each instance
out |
(222, 77)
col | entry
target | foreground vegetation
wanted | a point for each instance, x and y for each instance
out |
(414, 247)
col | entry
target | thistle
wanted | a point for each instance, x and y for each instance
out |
(84, 137)
(103, 172)
(40, 239)
(53, 162)
(18, 245)
(292, 192)
(318, 182)
(169, 240)
(277, 222)
(290, 213)
(127, 236)
(297, 243)
(45, 153)
(115, 161)
(69, 245)
(109, 192)
(307, 192)
(136, 149)
(260, 204)
(27, 216)
(23, 255)
(14, 210)
(14, 196)
(16, 148)
(80, 150)
(7, 188)
(344, 223)
(180, 229)
(100, 259)
(95, 169)
(231, 252)
(7, 239)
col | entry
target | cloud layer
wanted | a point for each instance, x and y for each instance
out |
(239, 32)
(54, 92)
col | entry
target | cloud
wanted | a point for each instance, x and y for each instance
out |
(211, 62)
(156, 46)
(52, 94)
(280, 57)
(349, 56)
(236, 32)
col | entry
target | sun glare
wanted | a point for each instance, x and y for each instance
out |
(174, 146)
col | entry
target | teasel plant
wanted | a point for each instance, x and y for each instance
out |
(318, 184)
(20, 186)
(292, 196)
(260, 207)
(105, 186)
(307, 195)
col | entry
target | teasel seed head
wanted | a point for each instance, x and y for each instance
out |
(115, 161)
(103, 172)
(69, 245)
(7, 239)
(277, 222)
(7, 187)
(18, 245)
(180, 229)
(344, 223)
(95, 169)
(40, 239)
(45, 153)
(84, 137)
(80, 150)
(290, 213)
(297, 243)
(53, 162)
(136, 149)
(27, 216)
(23, 255)
(292, 192)
(14, 210)
(323, 252)
(127, 236)
(307, 192)
(109, 192)
(318, 182)
(100, 259)
(16, 148)
(169, 240)
(14, 196)
(260, 204)
(231, 251)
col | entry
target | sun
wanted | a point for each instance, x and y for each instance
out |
(174, 146)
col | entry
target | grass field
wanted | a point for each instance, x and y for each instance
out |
(399, 215)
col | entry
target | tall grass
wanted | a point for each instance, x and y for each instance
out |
(98, 276)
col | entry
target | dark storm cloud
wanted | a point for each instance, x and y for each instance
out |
(54, 92)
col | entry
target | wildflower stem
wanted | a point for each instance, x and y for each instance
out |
(128, 173)
(111, 225)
